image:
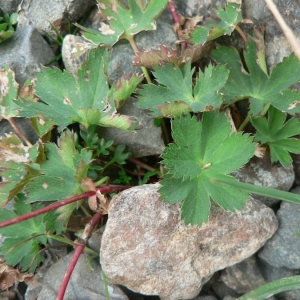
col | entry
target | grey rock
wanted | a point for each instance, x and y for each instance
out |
(40, 13)
(271, 273)
(194, 8)
(254, 10)
(148, 248)
(9, 6)
(205, 298)
(262, 172)
(244, 276)
(282, 250)
(143, 142)
(94, 241)
(85, 284)
(25, 52)
(23, 125)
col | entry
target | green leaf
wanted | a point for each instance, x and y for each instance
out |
(203, 152)
(16, 166)
(261, 89)
(228, 20)
(8, 93)
(61, 173)
(122, 22)
(22, 240)
(176, 88)
(85, 99)
(276, 133)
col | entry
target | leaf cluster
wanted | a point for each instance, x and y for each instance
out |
(7, 25)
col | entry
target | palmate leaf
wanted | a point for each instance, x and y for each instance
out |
(176, 95)
(62, 172)
(123, 22)
(228, 20)
(276, 133)
(261, 89)
(203, 152)
(85, 99)
(22, 240)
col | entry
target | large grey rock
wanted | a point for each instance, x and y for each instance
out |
(39, 13)
(142, 142)
(282, 250)
(85, 284)
(147, 247)
(25, 52)
(260, 171)
(9, 6)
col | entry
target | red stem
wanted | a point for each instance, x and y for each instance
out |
(81, 244)
(173, 12)
(50, 207)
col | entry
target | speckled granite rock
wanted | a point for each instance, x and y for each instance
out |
(147, 247)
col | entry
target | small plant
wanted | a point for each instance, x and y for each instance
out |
(7, 25)
(207, 147)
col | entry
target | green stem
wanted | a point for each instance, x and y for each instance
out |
(272, 288)
(259, 190)
(104, 179)
(244, 124)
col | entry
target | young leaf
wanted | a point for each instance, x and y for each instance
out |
(277, 133)
(8, 93)
(17, 166)
(176, 88)
(85, 99)
(228, 20)
(261, 89)
(204, 152)
(120, 22)
(61, 173)
(22, 240)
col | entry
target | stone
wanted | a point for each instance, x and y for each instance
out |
(148, 248)
(244, 276)
(142, 142)
(271, 273)
(9, 6)
(40, 13)
(25, 52)
(282, 250)
(260, 171)
(84, 283)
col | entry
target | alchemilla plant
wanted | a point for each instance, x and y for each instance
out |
(70, 159)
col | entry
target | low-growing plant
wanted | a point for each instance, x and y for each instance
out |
(7, 25)
(207, 146)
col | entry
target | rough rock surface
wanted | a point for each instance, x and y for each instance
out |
(147, 247)
(262, 172)
(9, 6)
(84, 283)
(25, 52)
(39, 13)
(282, 250)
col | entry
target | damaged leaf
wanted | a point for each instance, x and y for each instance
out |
(225, 24)
(203, 152)
(8, 93)
(85, 99)
(175, 93)
(120, 22)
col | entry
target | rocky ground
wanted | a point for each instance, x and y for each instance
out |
(228, 256)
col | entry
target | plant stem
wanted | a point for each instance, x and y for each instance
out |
(244, 124)
(81, 245)
(103, 190)
(134, 47)
(141, 164)
(18, 132)
(259, 190)
(272, 288)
